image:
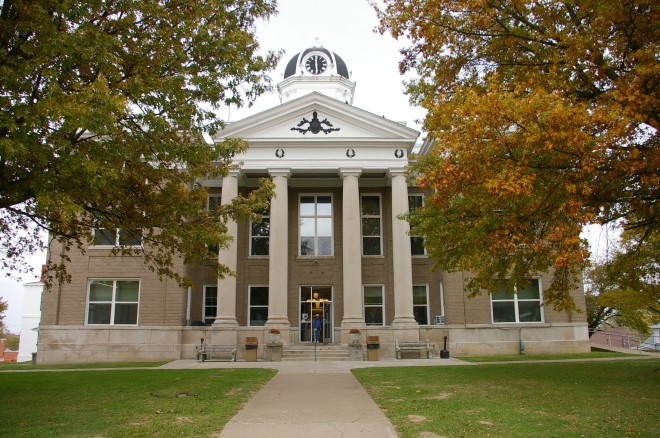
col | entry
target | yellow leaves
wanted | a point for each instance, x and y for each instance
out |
(544, 111)
(510, 181)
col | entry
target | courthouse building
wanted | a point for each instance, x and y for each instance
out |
(332, 245)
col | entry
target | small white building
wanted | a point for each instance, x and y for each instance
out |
(30, 320)
(653, 341)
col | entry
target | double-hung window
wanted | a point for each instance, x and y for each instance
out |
(260, 236)
(258, 306)
(212, 204)
(421, 304)
(373, 305)
(116, 237)
(441, 316)
(113, 302)
(210, 304)
(522, 304)
(315, 225)
(371, 225)
(416, 201)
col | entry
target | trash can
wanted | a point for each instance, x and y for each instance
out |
(251, 344)
(373, 345)
(34, 358)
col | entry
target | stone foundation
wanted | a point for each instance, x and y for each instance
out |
(87, 344)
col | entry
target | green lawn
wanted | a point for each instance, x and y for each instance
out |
(577, 399)
(135, 403)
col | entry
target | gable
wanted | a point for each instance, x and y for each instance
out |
(316, 118)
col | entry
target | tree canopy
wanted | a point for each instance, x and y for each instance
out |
(104, 108)
(542, 118)
(3, 309)
(624, 289)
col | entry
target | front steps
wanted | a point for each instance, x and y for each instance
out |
(324, 352)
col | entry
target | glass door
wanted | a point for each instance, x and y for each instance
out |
(327, 322)
(316, 314)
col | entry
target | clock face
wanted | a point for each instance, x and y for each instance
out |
(316, 64)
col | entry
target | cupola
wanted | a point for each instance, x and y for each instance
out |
(316, 69)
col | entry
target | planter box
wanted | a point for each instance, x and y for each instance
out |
(274, 352)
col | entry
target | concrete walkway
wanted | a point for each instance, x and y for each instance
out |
(304, 405)
(319, 399)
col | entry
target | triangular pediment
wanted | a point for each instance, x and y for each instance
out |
(316, 118)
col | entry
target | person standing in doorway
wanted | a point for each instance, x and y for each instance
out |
(317, 325)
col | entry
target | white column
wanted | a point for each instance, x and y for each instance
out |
(278, 261)
(226, 313)
(402, 261)
(352, 256)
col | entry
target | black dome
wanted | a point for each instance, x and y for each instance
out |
(292, 66)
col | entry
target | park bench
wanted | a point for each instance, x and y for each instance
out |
(415, 346)
(206, 351)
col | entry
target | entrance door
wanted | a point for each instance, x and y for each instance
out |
(316, 301)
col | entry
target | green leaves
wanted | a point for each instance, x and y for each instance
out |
(104, 109)
(542, 118)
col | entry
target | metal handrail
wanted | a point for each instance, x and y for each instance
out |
(615, 339)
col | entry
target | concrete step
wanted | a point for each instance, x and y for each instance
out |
(323, 353)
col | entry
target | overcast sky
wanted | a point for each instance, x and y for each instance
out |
(345, 27)
(342, 26)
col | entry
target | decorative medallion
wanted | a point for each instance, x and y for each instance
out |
(315, 125)
(350, 153)
(398, 153)
(279, 153)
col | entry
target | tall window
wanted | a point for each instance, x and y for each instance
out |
(210, 304)
(116, 237)
(416, 242)
(522, 304)
(421, 304)
(212, 204)
(371, 225)
(260, 236)
(316, 225)
(113, 302)
(373, 305)
(258, 306)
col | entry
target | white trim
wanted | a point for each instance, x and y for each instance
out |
(428, 314)
(382, 305)
(204, 288)
(383, 131)
(516, 308)
(315, 217)
(113, 302)
(442, 299)
(380, 219)
(425, 254)
(116, 244)
(330, 65)
(250, 237)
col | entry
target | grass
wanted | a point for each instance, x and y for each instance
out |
(135, 403)
(24, 366)
(519, 357)
(569, 399)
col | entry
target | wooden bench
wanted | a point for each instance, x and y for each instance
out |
(206, 351)
(417, 346)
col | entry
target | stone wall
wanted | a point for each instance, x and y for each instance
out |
(85, 344)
